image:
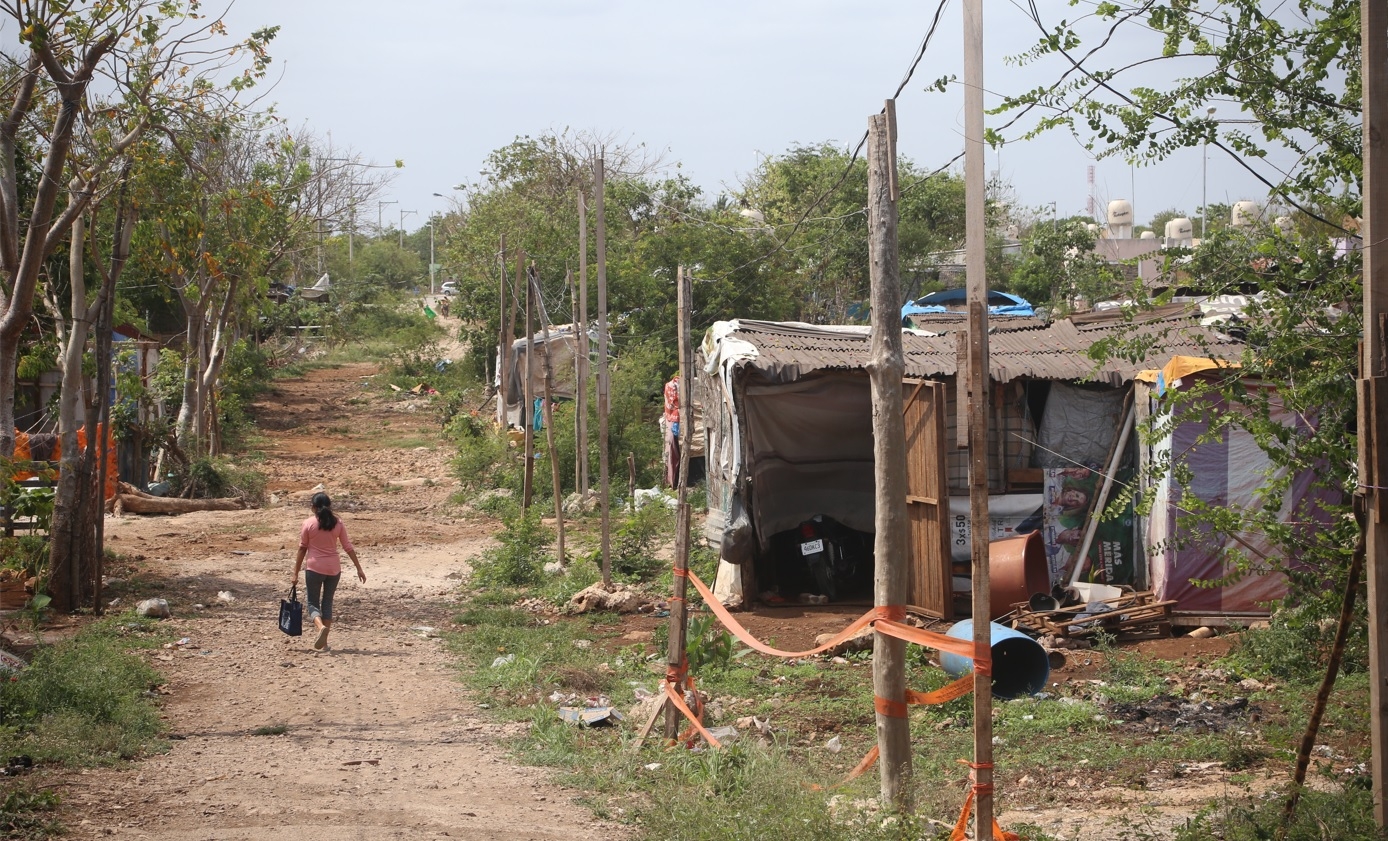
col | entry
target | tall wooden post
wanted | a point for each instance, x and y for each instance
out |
(887, 369)
(578, 378)
(603, 384)
(527, 391)
(549, 417)
(582, 321)
(503, 346)
(975, 233)
(679, 612)
(1373, 390)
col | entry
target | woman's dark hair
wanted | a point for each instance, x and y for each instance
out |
(323, 510)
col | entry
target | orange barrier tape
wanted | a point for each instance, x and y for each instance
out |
(755, 644)
(888, 707)
(959, 833)
(958, 689)
(676, 696)
(930, 639)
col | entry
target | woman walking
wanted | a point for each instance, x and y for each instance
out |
(318, 541)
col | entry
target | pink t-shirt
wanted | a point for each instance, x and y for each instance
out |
(322, 555)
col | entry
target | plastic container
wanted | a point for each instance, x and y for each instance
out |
(1017, 569)
(1020, 664)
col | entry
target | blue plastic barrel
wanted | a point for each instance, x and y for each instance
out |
(1020, 664)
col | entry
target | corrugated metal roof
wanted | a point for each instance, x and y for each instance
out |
(1057, 351)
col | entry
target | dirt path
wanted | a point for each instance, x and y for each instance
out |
(379, 740)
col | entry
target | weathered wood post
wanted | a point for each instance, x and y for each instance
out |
(887, 369)
(604, 467)
(975, 233)
(679, 612)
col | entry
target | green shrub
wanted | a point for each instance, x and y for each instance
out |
(485, 459)
(520, 559)
(81, 702)
(214, 477)
(635, 540)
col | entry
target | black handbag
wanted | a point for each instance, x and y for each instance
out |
(292, 613)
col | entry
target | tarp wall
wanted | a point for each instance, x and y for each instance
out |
(1228, 471)
(811, 452)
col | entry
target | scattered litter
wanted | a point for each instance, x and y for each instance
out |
(553, 568)
(725, 735)
(225, 597)
(362, 762)
(11, 663)
(833, 745)
(642, 693)
(153, 608)
(813, 598)
(645, 496)
(180, 644)
(426, 631)
(17, 765)
(591, 716)
(503, 660)
(654, 766)
(239, 552)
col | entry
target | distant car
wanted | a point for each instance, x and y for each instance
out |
(448, 288)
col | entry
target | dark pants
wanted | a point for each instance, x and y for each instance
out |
(320, 593)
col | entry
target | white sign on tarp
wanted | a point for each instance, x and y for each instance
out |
(1009, 515)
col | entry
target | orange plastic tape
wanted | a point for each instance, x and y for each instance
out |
(960, 831)
(888, 707)
(958, 689)
(755, 644)
(677, 698)
(929, 639)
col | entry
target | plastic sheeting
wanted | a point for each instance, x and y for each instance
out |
(1228, 472)
(1078, 426)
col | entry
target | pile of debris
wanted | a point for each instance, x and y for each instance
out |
(1127, 616)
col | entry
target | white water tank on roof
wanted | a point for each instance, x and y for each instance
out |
(1147, 235)
(1179, 233)
(1120, 219)
(1285, 226)
(1245, 214)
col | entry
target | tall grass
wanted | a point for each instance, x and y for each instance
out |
(85, 701)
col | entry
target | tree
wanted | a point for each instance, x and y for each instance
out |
(1294, 76)
(156, 57)
(816, 197)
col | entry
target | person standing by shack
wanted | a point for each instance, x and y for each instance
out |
(318, 541)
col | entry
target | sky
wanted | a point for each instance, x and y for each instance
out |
(716, 85)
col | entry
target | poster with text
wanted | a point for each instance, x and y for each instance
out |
(1111, 557)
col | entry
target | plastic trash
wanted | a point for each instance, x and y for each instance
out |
(503, 660)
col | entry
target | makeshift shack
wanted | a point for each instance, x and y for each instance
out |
(1228, 470)
(788, 422)
(563, 351)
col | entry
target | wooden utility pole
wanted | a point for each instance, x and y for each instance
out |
(527, 391)
(603, 467)
(887, 370)
(1373, 385)
(578, 384)
(582, 395)
(549, 417)
(679, 611)
(975, 234)
(503, 345)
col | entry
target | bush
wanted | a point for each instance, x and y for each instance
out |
(635, 540)
(216, 477)
(81, 702)
(519, 560)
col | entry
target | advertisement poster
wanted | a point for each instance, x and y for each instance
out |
(1068, 491)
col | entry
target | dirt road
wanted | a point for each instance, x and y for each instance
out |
(378, 738)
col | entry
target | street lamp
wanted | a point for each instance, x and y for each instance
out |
(380, 204)
(403, 214)
(1204, 181)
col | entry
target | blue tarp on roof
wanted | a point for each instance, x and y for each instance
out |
(999, 303)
